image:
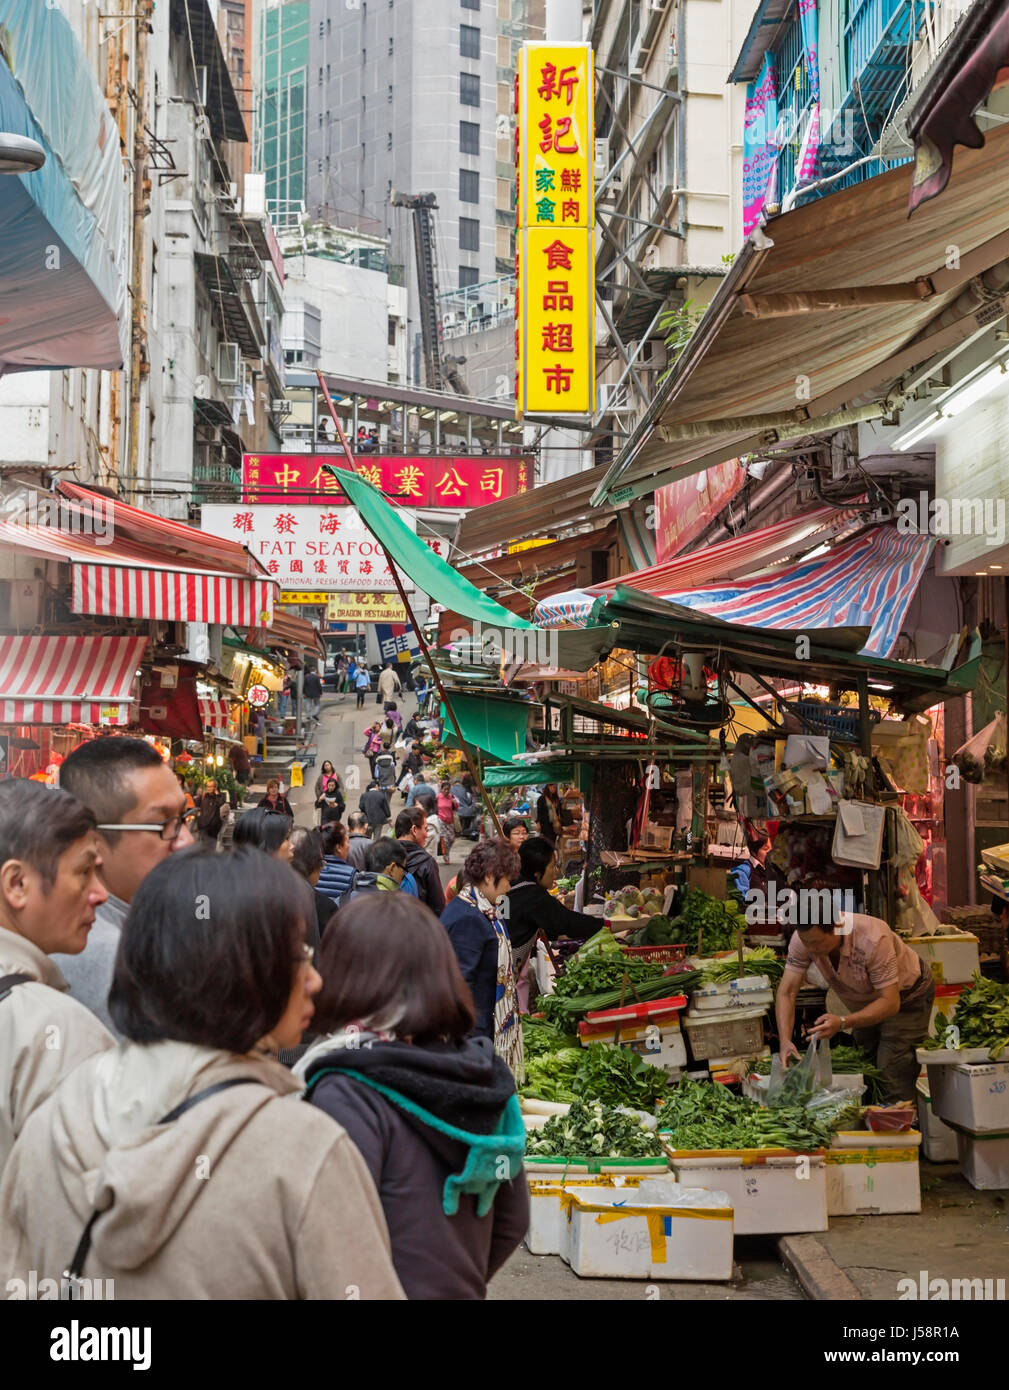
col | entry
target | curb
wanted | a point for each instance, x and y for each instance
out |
(821, 1278)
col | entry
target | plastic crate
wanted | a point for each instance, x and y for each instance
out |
(836, 721)
(734, 1033)
(660, 955)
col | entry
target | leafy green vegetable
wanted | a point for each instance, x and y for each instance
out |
(618, 1076)
(981, 1019)
(705, 1115)
(539, 1036)
(596, 1130)
(760, 960)
(718, 922)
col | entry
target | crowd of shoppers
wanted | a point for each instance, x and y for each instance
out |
(186, 983)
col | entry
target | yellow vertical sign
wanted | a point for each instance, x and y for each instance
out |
(555, 261)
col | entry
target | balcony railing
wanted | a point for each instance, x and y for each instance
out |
(216, 481)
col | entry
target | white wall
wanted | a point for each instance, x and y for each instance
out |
(355, 313)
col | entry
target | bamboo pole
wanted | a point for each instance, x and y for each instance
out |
(466, 752)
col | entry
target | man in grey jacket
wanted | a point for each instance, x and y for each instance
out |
(141, 814)
(359, 841)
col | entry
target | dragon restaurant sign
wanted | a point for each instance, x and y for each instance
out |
(325, 549)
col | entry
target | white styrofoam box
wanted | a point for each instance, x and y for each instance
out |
(984, 1159)
(755, 1086)
(651, 1030)
(938, 1141)
(545, 1235)
(610, 1238)
(953, 960)
(725, 1033)
(869, 1178)
(771, 1194)
(973, 1096)
(748, 993)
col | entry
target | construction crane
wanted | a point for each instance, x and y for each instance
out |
(440, 371)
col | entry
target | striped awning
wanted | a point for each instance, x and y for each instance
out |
(127, 591)
(130, 581)
(68, 680)
(214, 713)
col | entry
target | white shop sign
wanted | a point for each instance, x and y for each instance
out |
(317, 548)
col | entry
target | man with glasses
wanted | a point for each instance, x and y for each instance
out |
(142, 819)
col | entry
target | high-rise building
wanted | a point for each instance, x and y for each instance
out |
(416, 98)
(280, 125)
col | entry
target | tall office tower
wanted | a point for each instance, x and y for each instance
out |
(280, 125)
(405, 96)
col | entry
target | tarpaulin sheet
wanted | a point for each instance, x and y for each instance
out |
(63, 228)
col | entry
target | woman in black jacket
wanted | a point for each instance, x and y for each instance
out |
(329, 795)
(275, 800)
(432, 1111)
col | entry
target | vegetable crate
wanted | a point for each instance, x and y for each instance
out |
(545, 1235)
(772, 1191)
(873, 1174)
(732, 1033)
(971, 1097)
(608, 1237)
(937, 1139)
(953, 960)
(660, 955)
(652, 1030)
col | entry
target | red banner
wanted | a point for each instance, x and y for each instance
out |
(411, 480)
(682, 509)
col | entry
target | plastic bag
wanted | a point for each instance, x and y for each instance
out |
(995, 753)
(970, 756)
(799, 1084)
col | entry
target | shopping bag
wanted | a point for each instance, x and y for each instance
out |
(799, 1084)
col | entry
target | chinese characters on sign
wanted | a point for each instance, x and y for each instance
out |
(327, 549)
(423, 480)
(365, 608)
(555, 270)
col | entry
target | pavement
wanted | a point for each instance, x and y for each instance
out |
(960, 1233)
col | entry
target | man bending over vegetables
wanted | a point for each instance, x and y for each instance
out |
(885, 985)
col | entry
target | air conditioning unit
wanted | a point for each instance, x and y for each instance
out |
(229, 363)
(600, 157)
(608, 399)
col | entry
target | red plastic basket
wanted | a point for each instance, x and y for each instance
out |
(661, 955)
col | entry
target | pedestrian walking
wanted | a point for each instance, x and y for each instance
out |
(311, 691)
(385, 769)
(274, 799)
(373, 743)
(307, 859)
(241, 764)
(338, 874)
(140, 810)
(211, 813)
(204, 1006)
(389, 685)
(329, 799)
(479, 936)
(448, 806)
(284, 698)
(362, 684)
(464, 791)
(411, 828)
(431, 1109)
(50, 893)
(375, 806)
(548, 813)
(358, 839)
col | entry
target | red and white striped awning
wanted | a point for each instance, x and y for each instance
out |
(214, 713)
(126, 591)
(127, 581)
(68, 680)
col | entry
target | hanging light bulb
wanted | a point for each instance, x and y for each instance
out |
(220, 760)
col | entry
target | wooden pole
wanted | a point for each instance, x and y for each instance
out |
(466, 752)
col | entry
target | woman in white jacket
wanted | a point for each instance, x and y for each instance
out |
(184, 1153)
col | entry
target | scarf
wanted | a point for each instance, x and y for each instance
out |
(507, 1024)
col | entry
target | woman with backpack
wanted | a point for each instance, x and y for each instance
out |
(431, 1109)
(329, 801)
(373, 743)
(190, 1128)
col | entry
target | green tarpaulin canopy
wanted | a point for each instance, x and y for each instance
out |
(535, 775)
(496, 727)
(576, 650)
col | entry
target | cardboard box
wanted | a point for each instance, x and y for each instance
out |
(714, 882)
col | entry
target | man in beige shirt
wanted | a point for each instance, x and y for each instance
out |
(49, 890)
(885, 985)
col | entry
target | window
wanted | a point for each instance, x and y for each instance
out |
(320, 77)
(469, 186)
(392, 332)
(389, 98)
(469, 234)
(469, 137)
(318, 168)
(327, 24)
(469, 89)
(327, 72)
(471, 4)
(469, 41)
(468, 275)
(320, 120)
(321, 29)
(390, 45)
(388, 141)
